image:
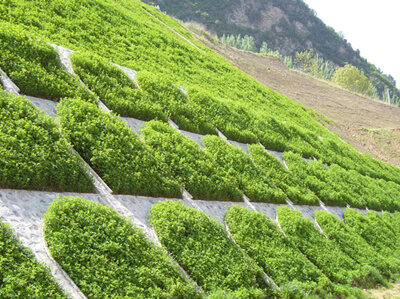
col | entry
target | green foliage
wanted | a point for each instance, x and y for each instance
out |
(335, 264)
(312, 63)
(35, 68)
(239, 167)
(305, 61)
(201, 246)
(33, 154)
(218, 94)
(106, 256)
(351, 78)
(376, 232)
(352, 243)
(114, 151)
(264, 242)
(175, 103)
(21, 276)
(335, 185)
(187, 163)
(283, 34)
(245, 43)
(284, 179)
(114, 87)
(123, 32)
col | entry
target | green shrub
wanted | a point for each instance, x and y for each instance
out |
(376, 232)
(187, 115)
(264, 242)
(21, 276)
(114, 87)
(201, 246)
(188, 164)
(239, 167)
(106, 256)
(335, 264)
(33, 154)
(281, 177)
(35, 68)
(114, 151)
(352, 243)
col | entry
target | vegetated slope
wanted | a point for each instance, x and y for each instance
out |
(353, 244)
(287, 26)
(263, 241)
(371, 126)
(323, 253)
(217, 94)
(202, 247)
(21, 276)
(106, 256)
(33, 153)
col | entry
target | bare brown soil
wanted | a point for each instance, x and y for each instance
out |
(372, 126)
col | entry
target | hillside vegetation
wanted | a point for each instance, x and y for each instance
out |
(103, 252)
(216, 95)
(287, 27)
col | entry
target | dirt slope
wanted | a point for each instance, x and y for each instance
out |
(373, 127)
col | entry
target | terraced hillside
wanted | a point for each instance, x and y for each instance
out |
(140, 111)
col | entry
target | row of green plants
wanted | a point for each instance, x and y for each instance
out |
(34, 66)
(335, 185)
(239, 167)
(264, 242)
(192, 167)
(118, 92)
(124, 33)
(373, 228)
(106, 256)
(33, 153)
(354, 245)
(329, 258)
(114, 151)
(21, 276)
(278, 175)
(336, 265)
(202, 247)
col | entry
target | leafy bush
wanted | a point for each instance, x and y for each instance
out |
(351, 78)
(376, 232)
(33, 154)
(114, 87)
(106, 256)
(274, 170)
(114, 151)
(35, 68)
(201, 246)
(338, 266)
(352, 243)
(239, 167)
(264, 242)
(187, 115)
(335, 185)
(188, 164)
(21, 276)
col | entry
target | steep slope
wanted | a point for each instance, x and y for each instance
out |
(189, 86)
(371, 126)
(198, 89)
(287, 26)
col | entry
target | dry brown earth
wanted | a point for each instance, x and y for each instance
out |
(372, 126)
